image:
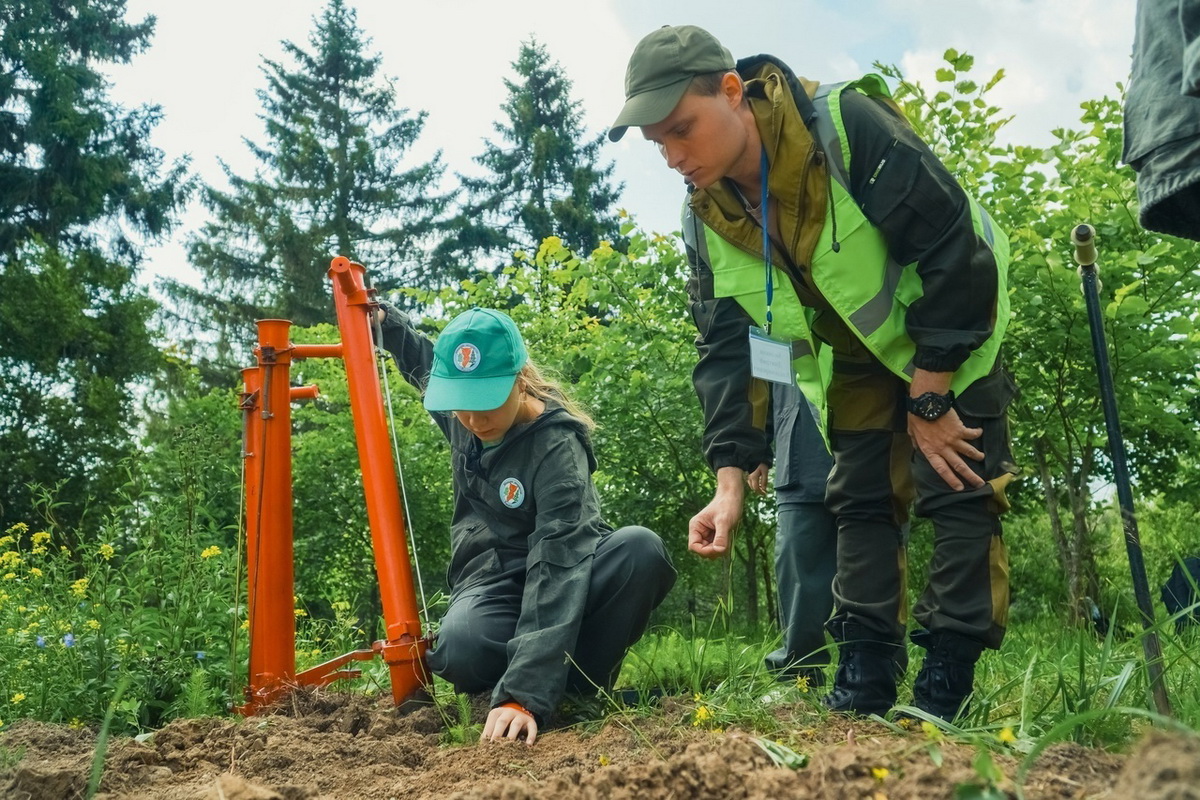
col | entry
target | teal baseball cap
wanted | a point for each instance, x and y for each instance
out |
(661, 69)
(475, 362)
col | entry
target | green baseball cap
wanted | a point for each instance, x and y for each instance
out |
(475, 362)
(660, 69)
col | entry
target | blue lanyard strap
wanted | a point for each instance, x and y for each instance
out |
(766, 230)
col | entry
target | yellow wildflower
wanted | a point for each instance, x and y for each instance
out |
(802, 683)
(879, 773)
(210, 551)
(8, 576)
(76, 723)
(41, 537)
(34, 571)
(38, 550)
(19, 697)
(703, 713)
(33, 626)
(79, 588)
(10, 559)
(1007, 736)
(604, 762)
(11, 631)
(300, 612)
(6, 540)
(18, 528)
(245, 624)
(106, 551)
(94, 624)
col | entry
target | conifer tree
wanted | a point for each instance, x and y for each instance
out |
(81, 191)
(543, 177)
(330, 182)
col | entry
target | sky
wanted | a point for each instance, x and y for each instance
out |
(449, 58)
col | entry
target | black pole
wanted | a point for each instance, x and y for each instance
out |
(1083, 237)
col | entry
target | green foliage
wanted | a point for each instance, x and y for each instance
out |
(331, 182)
(81, 188)
(145, 599)
(544, 178)
(614, 327)
(1150, 286)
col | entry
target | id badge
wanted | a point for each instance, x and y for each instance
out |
(770, 359)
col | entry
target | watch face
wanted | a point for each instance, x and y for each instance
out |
(930, 406)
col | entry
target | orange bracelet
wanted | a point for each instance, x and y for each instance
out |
(516, 707)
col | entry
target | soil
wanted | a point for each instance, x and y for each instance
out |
(342, 746)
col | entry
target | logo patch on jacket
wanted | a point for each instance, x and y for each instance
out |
(512, 493)
(466, 357)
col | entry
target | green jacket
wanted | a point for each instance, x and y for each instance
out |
(912, 237)
(525, 511)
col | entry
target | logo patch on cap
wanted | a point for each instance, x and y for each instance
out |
(466, 357)
(512, 493)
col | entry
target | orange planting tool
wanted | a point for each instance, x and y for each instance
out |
(266, 405)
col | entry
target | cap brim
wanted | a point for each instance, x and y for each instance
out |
(467, 394)
(648, 108)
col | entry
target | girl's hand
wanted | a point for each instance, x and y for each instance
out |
(509, 721)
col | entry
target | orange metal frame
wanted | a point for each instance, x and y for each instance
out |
(267, 441)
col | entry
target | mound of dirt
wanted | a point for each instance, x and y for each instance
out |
(340, 746)
(1164, 767)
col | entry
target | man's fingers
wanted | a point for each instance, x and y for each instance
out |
(943, 468)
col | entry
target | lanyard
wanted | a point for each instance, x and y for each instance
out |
(766, 229)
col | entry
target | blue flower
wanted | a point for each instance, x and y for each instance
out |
(68, 640)
(200, 655)
(41, 641)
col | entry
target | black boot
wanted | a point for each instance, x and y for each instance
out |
(867, 674)
(947, 677)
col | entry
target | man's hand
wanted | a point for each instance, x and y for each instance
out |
(509, 721)
(709, 531)
(945, 440)
(757, 480)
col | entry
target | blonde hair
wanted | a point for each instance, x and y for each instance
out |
(543, 387)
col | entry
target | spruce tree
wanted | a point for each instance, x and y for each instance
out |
(81, 190)
(543, 178)
(330, 182)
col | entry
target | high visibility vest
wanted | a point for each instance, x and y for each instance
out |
(868, 289)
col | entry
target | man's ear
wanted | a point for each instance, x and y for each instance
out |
(732, 88)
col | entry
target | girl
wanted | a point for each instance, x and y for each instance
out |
(545, 596)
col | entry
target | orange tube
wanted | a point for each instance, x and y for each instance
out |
(269, 540)
(404, 647)
(252, 482)
(300, 351)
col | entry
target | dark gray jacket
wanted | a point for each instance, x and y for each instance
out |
(1162, 116)
(526, 518)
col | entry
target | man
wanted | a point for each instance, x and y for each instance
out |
(1162, 116)
(884, 284)
(805, 538)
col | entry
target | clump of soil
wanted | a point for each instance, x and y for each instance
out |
(340, 746)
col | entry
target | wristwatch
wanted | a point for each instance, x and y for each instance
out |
(931, 405)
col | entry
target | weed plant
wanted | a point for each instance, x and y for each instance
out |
(77, 621)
